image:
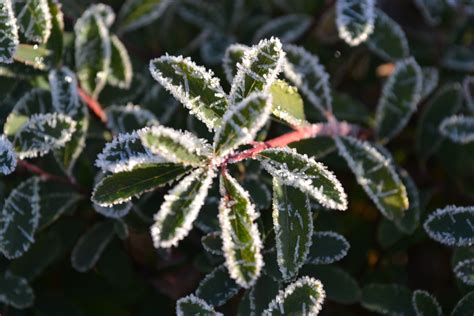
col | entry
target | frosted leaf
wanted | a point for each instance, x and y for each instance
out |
(376, 175)
(92, 48)
(465, 306)
(105, 12)
(451, 226)
(212, 243)
(287, 28)
(241, 123)
(192, 305)
(355, 20)
(464, 271)
(459, 58)
(130, 117)
(303, 297)
(258, 69)
(287, 104)
(232, 57)
(241, 241)
(34, 19)
(430, 80)
(293, 226)
(8, 32)
(15, 291)
(7, 156)
(217, 287)
(409, 222)
(115, 211)
(64, 93)
(137, 13)
(458, 128)
(42, 133)
(388, 40)
(431, 10)
(399, 99)
(192, 85)
(121, 72)
(260, 295)
(19, 219)
(306, 174)
(37, 101)
(387, 299)
(425, 304)
(468, 86)
(175, 146)
(180, 209)
(327, 247)
(306, 72)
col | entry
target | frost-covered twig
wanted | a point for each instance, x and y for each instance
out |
(93, 104)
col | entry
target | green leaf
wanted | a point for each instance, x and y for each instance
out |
(122, 186)
(15, 291)
(127, 118)
(56, 40)
(376, 175)
(347, 108)
(303, 297)
(465, 306)
(217, 287)
(258, 69)
(391, 299)
(459, 58)
(241, 123)
(451, 225)
(64, 95)
(306, 174)
(458, 128)
(293, 226)
(9, 32)
(388, 40)
(115, 211)
(425, 304)
(92, 48)
(182, 204)
(287, 103)
(32, 55)
(90, 246)
(241, 242)
(430, 80)
(409, 222)
(192, 85)
(261, 294)
(232, 57)
(400, 96)
(464, 271)
(286, 28)
(355, 20)
(20, 218)
(327, 247)
(34, 19)
(137, 13)
(176, 146)
(7, 156)
(121, 71)
(194, 306)
(212, 243)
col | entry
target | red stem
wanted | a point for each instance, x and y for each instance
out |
(93, 105)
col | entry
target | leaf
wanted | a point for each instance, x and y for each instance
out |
(20, 217)
(293, 226)
(306, 72)
(306, 174)
(451, 226)
(127, 118)
(388, 41)
(355, 20)
(241, 123)
(15, 291)
(465, 306)
(233, 56)
(90, 246)
(258, 69)
(9, 32)
(121, 71)
(376, 175)
(92, 50)
(400, 96)
(192, 85)
(430, 80)
(176, 146)
(65, 98)
(182, 204)
(261, 294)
(193, 305)
(425, 304)
(34, 19)
(121, 229)
(137, 13)
(327, 247)
(241, 242)
(468, 87)
(431, 10)
(217, 287)
(458, 128)
(115, 211)
(32, 55)
(122, 186)
(7, 156)
(212, 243)
(304, 296)
(55, 42)
(391, 299)
(409, 222)
(287, 28)
(464, 271)
(287, 103)
(444, 103)
(459, 58)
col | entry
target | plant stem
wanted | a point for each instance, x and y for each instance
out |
(93, 105)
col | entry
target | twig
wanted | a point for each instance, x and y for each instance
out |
(93, 105)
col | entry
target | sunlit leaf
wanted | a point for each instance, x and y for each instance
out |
(287, 103)
(355, 20)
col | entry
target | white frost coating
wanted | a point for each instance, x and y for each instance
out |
(151, 14)
(445, 237)
(308, 65)
(251, 56)
(39, 13)
(288, 28)
(64, 92)
(119, 155)
(117, 114)
(126, 63)
(300, 180)
(10, 34)
(192, 210)
(229, 245)
(463, 271)
(7, 156)
(181, 92)
(468, 86)
(339, 256)
(192, 299)
(184, 139)
(227, 62)
(346, 14)
(458, 128)
(430, 80)
(277, 304)
(43, 142)
(430, 297)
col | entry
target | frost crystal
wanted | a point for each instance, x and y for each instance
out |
(7, 156)
(458, 128)
(355, 20)
(8, 32)
(195, 305)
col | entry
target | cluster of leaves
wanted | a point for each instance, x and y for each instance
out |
(250, 178)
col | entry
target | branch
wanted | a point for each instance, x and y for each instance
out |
(93, 105)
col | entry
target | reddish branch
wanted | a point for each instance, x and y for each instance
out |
(93, 105)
